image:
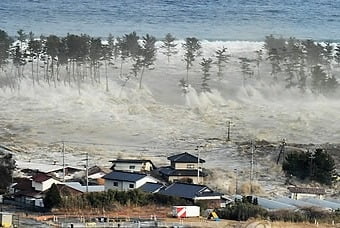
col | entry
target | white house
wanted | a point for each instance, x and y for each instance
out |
(132, 165)
(123, 181)
(42, 182)
(299, 193)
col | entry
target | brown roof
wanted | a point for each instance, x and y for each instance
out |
(41, 177)
(318, 191)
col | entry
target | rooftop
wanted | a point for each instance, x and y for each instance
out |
(91, 188)
(151, 187)
(169, 171)
(185, 158)
(188, 191)
(124, 176)
(41, 177)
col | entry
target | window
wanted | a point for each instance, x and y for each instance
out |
(190, 166)
(132, 167)
(131, 185)
(115, 183)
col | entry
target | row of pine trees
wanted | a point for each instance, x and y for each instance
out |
(74, 59)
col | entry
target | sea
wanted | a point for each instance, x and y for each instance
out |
(249, 20)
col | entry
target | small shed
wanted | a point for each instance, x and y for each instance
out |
(299, 193)
(5, 219)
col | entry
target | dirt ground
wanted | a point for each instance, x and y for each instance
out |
(164, 214)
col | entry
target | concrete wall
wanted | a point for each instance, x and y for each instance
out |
(137, 166)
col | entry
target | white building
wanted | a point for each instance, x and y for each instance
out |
(120, 180)
(42, 182)
(299, 193)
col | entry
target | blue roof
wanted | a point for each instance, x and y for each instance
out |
(151, 187)
(188, 191)
(124, 176)
(185, 158)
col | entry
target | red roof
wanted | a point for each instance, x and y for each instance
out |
(41, 177)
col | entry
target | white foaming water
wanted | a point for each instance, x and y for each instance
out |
(160, 118)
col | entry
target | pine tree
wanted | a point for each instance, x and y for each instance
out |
(148, 55)
(206, 66)
(323, 167)
(5, 43)
(192, 47)
(259, 58)
(169, 46)
(247, 72)
(52, 198)
(337, 54)
(7, 166)
(52, 49)
(319, 78)
(222, 57)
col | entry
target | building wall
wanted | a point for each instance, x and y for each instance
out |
(186, 165)
(133, 166)
(125, 185)
(194, 179)
(44, 185)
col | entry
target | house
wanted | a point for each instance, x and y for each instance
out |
(24, 193)
(183, 167)
(121, 180)
(299, 192)
(96, 173)
(42, 182)
(195, 192)
(133, 165)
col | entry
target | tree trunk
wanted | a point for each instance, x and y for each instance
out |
(107, 80)
(141, 77)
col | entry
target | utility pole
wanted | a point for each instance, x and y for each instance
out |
(228, 130)
(252, 167)
(236, 181)
(87, 172)
(198, 164)
(63, 150)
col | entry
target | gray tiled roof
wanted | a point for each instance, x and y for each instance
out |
(151, 187)
(124, 176)
(185, 158)
(188, 191)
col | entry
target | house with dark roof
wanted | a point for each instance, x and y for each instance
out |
(121, 180)
(299, 192)
(133, 165)
(152, 187)
(196, 192)
(183, 167)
